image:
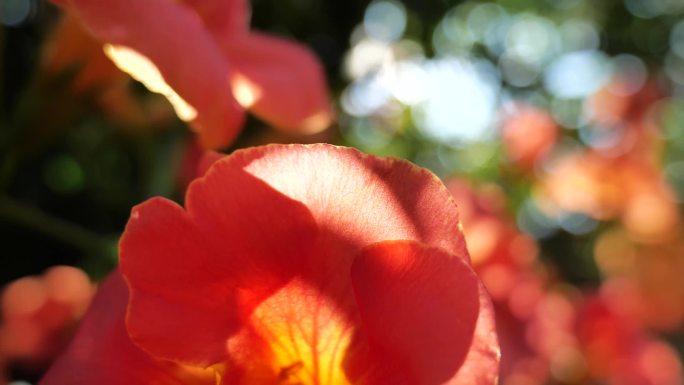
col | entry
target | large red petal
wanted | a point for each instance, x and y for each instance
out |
(419, 308)
(279, 81)
(101, 352)
(238, 241)
(173, 37)
(256, 228)
(171, 271)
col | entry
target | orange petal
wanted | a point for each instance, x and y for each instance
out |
(419, 309)
(70, 47)
(298, 335)
(359, 199)
(238, 240)
(101, 352)
(173, 39)
(224, 18)
(259, 218)
(279, 81)
(162, 261)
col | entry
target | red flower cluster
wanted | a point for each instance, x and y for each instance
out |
(292, 265)
(38, 317)
(528, 134)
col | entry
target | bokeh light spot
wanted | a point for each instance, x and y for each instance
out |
(577, 74)
(577, 223)
(64, 175)
(366, 56)
(675, 175)
(579, 35)
(516, 72)
(365, 95)
(15, 12)
(410, 83)
(532, 39)
(647, 9)
(632, 73)
(461, 103)
(385, 20)
(569, 112)
(674, 68)
(677, 39)
(487, 24)
(535, 222)
(451, 35)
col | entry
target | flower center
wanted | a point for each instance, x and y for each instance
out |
(307, 336)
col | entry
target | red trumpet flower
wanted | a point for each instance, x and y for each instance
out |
(292, 265)
(201, 55)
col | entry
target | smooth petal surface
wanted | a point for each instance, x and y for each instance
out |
(101, 353)
(481, 365)
(256, 273)
(172, 37)
(356, 200)
(238, 240)
(162, 261)
(419, 307)
(359, 199)
(297, 335)
(71, 48)
(280, 81)
(224, 18)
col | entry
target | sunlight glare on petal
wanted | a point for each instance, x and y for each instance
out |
(246, 92)
(317, 123)
(143, 70)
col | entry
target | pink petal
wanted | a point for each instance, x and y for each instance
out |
(279, 81)
(224, 18)
(172, 36)
(358, 199)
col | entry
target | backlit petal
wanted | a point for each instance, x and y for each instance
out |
(70, 47)
(358, 199)
(297, 335)
(172, 37)
(224, 18)
(238, 241)
(279, 81)
(256, 272)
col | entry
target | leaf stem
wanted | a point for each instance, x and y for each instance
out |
(88, 241)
